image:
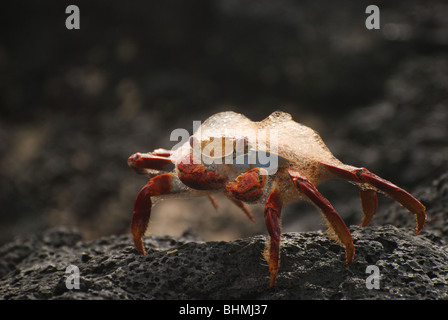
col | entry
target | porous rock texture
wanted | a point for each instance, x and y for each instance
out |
(312, 266)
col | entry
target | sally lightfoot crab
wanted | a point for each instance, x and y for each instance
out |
(275, 161)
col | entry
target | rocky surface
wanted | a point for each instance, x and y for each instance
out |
(312, 266)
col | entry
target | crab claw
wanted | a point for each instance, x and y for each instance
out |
(141, 162)
(362, 176)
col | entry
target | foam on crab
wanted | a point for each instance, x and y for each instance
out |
(277, 134)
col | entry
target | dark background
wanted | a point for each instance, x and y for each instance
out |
(74, 104)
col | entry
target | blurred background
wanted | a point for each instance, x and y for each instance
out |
(74, 104)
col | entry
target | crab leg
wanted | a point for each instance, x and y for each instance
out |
(335, 222)
(249, 186)
(369, 203)
(214, 202)
(159, 185)
(362, 175)
(273, 224)
(238, 203)
(244, 208)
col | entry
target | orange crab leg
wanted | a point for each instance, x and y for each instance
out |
(369, 203)
(249, 186)
(238, 203)
(244, 208)
(159, 185)
(273, 224)
(335, 222)
(362, 175)
(214, 202)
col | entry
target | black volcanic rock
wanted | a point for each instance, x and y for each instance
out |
(312, 266)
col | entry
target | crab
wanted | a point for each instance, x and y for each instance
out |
(275, 161)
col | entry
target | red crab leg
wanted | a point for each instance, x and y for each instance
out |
(156, 186)
(273, 224)
(369, 203)
(335, 222)
(238, 203)
(214, 202)
(362, 175)
(246, 210)
(249, 186)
